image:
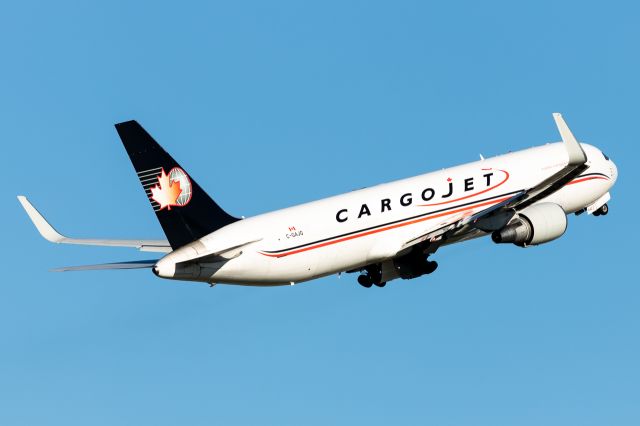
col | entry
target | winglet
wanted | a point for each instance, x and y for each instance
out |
(575, 151)
(50, 234)
(40, 222)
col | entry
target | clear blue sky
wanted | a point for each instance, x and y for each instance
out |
(270, 104)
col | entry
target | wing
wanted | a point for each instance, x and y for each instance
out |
(577, 164)
(459, 221)
(498, 215)
(50, 234)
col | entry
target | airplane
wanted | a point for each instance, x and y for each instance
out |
(382, 233)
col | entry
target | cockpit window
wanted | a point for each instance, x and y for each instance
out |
(605, 156)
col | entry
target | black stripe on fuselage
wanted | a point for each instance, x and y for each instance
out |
(392, 223)
(410, 218)
(592, 174)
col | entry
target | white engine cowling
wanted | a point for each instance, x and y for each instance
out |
(537, 224)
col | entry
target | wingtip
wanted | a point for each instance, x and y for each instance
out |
(44, 228)
(24, 202)
(557, 117)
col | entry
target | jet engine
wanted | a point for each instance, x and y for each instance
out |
(537, 224)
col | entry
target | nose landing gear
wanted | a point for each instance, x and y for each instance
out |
(602, 211)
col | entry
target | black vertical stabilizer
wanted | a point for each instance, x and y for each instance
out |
(186, 213)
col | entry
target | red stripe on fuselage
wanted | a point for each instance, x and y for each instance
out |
(506, 178)
(586, 179)
(422, 219)
(386, 228)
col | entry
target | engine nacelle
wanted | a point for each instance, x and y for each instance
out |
(537, 224)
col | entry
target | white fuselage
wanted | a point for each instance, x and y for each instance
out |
(349, 231)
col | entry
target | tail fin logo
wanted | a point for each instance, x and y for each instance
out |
(173, 189)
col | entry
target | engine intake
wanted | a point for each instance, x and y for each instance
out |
(537, 224)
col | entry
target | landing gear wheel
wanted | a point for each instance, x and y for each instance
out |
(364, 281)
(380, 284)
(430, 267)
(375, 275)
(603, 210)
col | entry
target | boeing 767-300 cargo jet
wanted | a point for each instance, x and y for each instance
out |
(383, 232)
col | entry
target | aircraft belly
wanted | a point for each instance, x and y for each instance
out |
(576, 197)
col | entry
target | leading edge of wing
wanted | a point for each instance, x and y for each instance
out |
(49, 233)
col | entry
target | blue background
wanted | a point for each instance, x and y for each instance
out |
(270, 104)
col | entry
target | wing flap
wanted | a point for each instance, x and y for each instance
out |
(458, 221)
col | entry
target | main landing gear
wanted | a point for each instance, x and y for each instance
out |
(602, 211)
(412, 265)
(372, 275)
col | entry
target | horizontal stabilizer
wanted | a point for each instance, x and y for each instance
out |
(136, 264)
(50, 234)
